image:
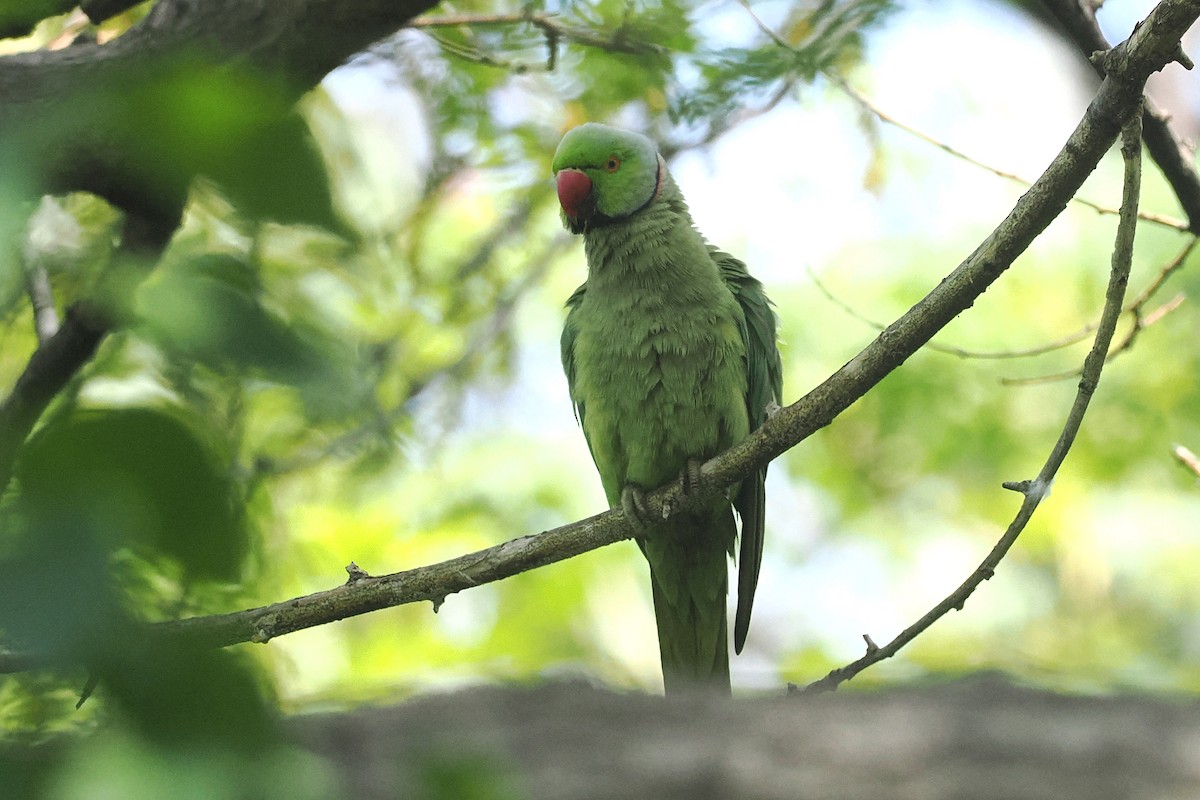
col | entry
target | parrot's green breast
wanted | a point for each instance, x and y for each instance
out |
(665, 381)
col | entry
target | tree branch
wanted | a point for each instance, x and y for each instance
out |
(54, 112)
(19, 19)
(99, 10)
(554, 31)
(54, 109)
(1151, 47)
(1078, 20)
(1187, 458)
(484, 336)
(41, 298)
(1135, 308)
(52, 365)
(869, 106)
(1036, 490)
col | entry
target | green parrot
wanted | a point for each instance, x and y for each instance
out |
(670, 355)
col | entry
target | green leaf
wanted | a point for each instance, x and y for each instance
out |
(177, 694)
(209, 309)
(136, 477)
(237, 128)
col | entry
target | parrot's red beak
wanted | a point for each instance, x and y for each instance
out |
(573, 190)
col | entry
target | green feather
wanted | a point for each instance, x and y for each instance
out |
(669, 351)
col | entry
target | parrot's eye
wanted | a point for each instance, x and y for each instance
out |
(613, 164)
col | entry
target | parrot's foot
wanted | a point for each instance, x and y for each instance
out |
(633, 503)
(772, 408)
(690, 478)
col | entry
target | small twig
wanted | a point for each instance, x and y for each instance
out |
(1134, 308)
(1173, 266)
(1142, 319)
(718, 128)
(52, 365)
(1140, 323)
(1035, 491)
(551, 28)
(961, 352)
(1187, 458)
(766, 29)
(867, 105)
(485, 335)
(1175, 161)
(37, 279)
(41, 299)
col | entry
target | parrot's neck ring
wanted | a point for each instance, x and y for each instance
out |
(658, 185)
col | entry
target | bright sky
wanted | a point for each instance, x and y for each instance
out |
(800, 174)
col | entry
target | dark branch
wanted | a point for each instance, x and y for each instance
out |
(55, 109)
(53, 364)
(41, 298)
(99, 10)
(1150, 48)
(1035, 490)
(55, 112)
(1187, 458)
(552, 28)
(20, 18)
(1078, 21)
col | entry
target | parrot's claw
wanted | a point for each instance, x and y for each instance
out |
(633, 503)
(772, 408)
(690, 478)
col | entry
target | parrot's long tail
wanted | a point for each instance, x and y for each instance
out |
(689, 575)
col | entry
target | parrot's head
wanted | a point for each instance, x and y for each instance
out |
(605, 175)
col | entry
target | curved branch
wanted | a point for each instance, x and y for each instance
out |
(1187, 458)
(55, 112)
(1151, 47)
(41, 300)
(1135, 308)
(1035, 490)
(19, 19)
(554, 31)
(52, 365)
(1078, 20)
(869, 106)
(98, 11)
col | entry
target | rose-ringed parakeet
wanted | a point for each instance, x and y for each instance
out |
(669, 349)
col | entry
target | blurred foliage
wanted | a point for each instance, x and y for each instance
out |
(348, 353)
(813, 38)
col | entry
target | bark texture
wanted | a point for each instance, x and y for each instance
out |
(87, 117)
(978, 739)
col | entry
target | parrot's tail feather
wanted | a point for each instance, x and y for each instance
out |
(691, 657)
(752, 502)
(689, 573)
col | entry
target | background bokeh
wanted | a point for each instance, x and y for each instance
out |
(383, 386)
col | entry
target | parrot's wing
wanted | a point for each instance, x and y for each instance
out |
(764, 385)
(567, 351)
